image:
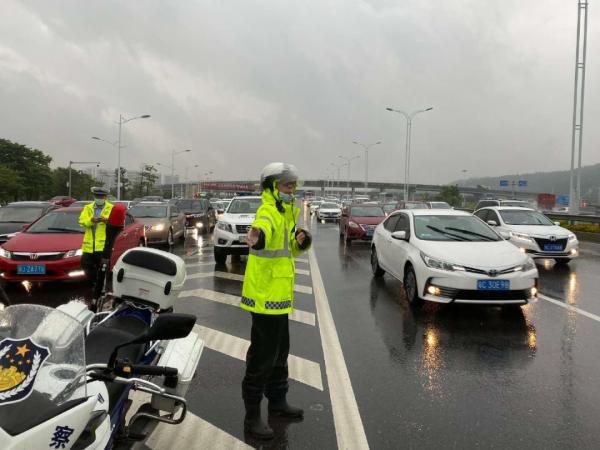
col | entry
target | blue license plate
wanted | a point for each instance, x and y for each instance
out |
(493, 285)
(553, 247)
(31, 269)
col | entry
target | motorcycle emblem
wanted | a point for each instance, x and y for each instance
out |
(20, 362)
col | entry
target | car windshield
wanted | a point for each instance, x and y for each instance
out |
(389, 207)
(57, 222)
(190, 205)
(244, 205)
(415, 205)
(24, 214)
(522, 217)
(148, 211)
(329, 206)
(440, 205)
(452, 228)
(515, 203)
(367, 211)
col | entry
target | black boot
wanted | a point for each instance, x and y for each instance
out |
(254, 425)
(280, 407)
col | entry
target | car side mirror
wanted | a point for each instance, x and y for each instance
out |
(24, 227)
(492, 223)
(505, 235)
(166, 326)
(400, 235)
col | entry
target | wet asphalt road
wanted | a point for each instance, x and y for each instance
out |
(444, 376)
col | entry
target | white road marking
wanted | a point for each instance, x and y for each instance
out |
(300, 369)
(297, 315)
(198, 264)
(237, 277)
(570, 307)
(346, 417)
(302, 271)
(301, 260)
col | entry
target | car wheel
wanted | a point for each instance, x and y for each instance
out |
(205, 227)
(375, 267)
(411, 288)
(170, 239)
(183, 232)
(142, 243)
(220, 256)
(562, 260)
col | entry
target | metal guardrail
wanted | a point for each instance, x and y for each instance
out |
(573, 217)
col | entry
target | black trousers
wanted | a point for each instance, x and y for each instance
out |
(266, 360)
(90, 263)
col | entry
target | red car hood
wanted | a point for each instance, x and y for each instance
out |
(39, 243)
(367, 220)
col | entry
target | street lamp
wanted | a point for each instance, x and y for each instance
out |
(172, 167)
(348, 160)
(78, 162)
(338, 167)
(187, 169)
(409, 118)
(366, 148)
(121, 122)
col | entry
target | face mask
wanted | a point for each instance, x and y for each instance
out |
(286, 198)
(99, 201)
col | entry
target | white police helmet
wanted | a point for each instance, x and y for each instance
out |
(280, 172)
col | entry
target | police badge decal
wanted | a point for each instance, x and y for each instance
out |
(20, 362)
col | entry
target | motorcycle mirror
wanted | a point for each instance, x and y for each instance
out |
(166, 326)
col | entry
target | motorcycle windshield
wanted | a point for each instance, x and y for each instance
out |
(42, 365)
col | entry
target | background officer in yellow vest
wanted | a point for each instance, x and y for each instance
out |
(268, 293)
(94, 217)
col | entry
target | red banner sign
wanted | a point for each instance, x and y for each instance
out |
(209, 186)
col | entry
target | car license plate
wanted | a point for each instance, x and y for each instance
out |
(242, 239)
(31, 269)
(493, 285)
(553, 247)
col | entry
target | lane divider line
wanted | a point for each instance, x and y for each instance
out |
(349, 428)
(237, 277)
(570, 307)
(300, 369)
(297, 315)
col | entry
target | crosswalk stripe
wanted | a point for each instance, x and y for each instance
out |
(236, 276)
(302, 271)
(302, 260)
(297, 315)
(300, 369)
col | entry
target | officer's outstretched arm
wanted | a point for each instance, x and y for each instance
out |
(298, 248)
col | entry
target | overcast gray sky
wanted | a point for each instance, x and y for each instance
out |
(246, 82)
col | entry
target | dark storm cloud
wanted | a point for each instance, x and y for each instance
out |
(246, 82)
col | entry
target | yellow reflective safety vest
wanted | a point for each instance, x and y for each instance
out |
(95, 233)
(269, 280)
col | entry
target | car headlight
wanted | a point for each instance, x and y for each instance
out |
(572, 238)
(529, 265)
(225, 226)
(158, 227)
(441, 265)
(521, 236)
(5, 253)
(73, 253)
(353, 225)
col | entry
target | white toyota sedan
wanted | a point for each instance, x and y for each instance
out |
(450, 256)
(532, 232)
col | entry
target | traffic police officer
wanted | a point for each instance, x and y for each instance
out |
(268, 293)
(94, 218)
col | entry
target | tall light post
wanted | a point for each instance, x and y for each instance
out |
(338, 167)
(172, 167)
(409, 118)
(71, 163)
(348, 160)
(205, 176)
(366, 149)
(122, 121)
(187, 171)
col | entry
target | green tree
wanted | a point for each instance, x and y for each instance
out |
(125, 183)
(32, 167)
(450, 194)
(10, 183)
(82, 183)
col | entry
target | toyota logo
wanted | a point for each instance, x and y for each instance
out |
(493, 273)
(552, 238)
(33, 256)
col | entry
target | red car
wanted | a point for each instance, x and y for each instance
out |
(50, 248)
(61, 200)
(359, 221)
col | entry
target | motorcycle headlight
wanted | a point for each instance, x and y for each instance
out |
(225, 226)
(73, 253)
(158, 227)
(438, 264)
(521, 236)
(572, 238)
(5, 253)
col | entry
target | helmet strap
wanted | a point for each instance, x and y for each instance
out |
(278, 202)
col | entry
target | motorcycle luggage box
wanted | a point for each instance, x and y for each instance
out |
(184, 355)
(150, 276)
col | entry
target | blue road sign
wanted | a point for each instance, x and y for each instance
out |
(562, 200)
(522, 183)
(503, 183)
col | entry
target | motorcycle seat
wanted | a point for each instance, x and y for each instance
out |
(103, 339)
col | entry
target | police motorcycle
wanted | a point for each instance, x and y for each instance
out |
(68, 375)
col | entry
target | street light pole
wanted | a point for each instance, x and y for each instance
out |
(366, 149)
(173, 154)
(409, 118)
(348, 161)
(70, 170)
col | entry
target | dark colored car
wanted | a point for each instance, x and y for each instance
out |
(50, 248)
(359, 221)
(62, 200)
(199, 213)
(14, 216)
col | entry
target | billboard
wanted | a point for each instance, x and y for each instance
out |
(503, 183)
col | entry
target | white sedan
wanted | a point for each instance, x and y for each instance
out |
(450, 256)
(329, 211)
(532, 232)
